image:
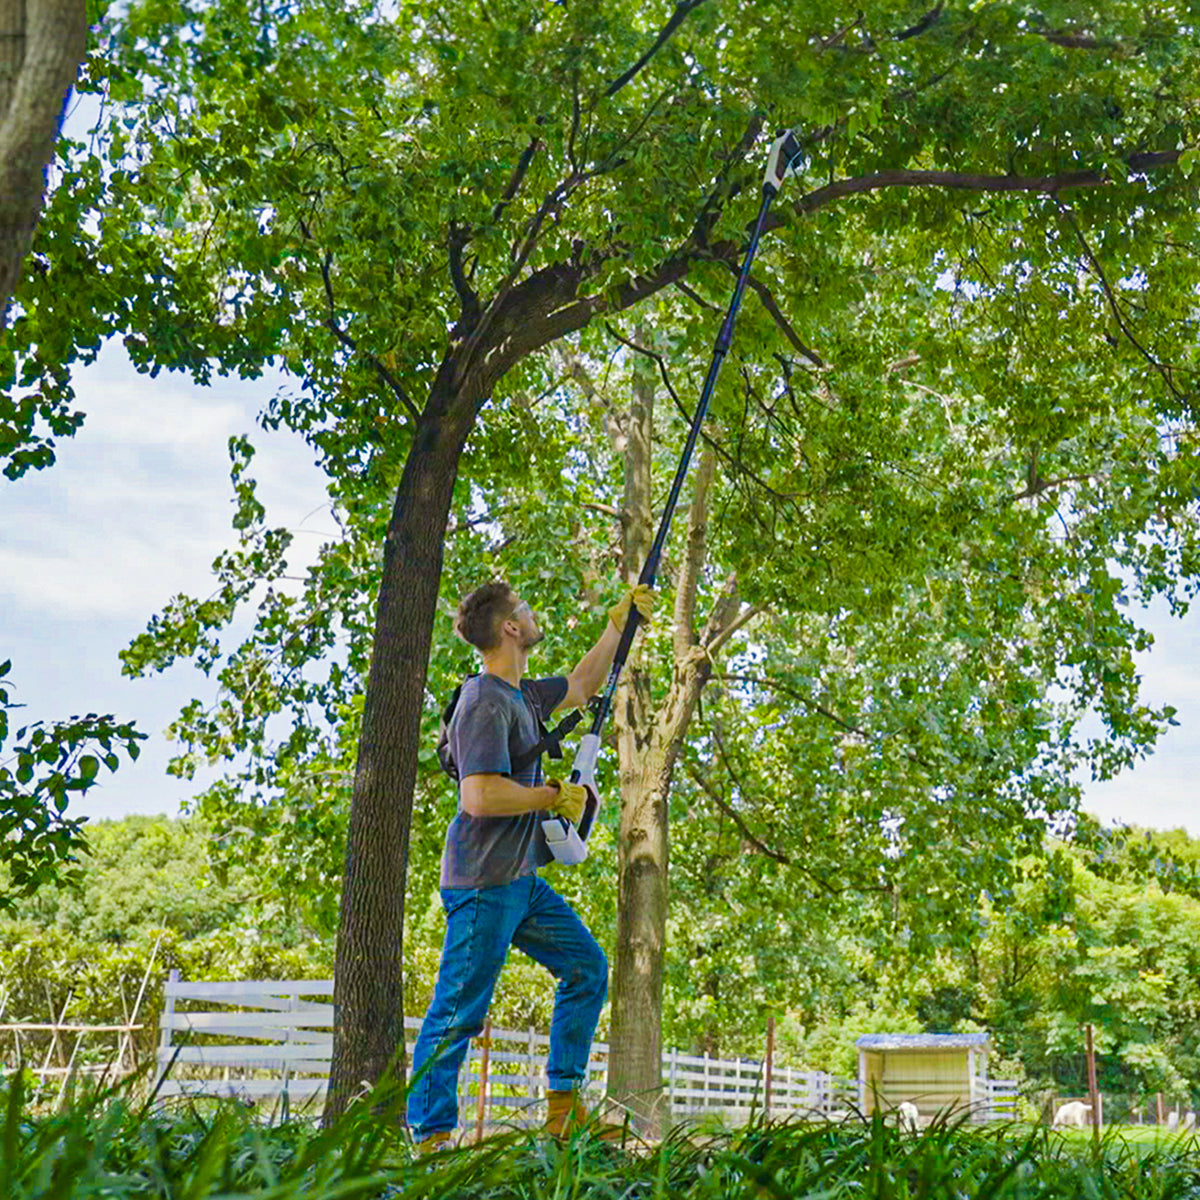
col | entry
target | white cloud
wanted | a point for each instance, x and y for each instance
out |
(1161, 791)
(134, 511)
(139, 503)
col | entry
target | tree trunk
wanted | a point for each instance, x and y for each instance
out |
(42, 43)
(649, 743)
(368, 988)
(635, 1034)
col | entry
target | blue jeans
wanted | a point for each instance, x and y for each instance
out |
(481, 924)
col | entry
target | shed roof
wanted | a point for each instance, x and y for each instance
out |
(922, 1041)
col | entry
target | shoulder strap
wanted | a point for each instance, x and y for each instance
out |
(445, 757)
(550, 743)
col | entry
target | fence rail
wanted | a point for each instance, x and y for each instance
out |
(290, 1035)
(996, 1099)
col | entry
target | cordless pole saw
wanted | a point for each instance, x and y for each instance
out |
(566, 842)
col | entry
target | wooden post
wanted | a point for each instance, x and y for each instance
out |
(704, 1088)
(1159, 1112)
(481, 1107)
(1093, 1095)
(532, 1046)
(127, 1039)
(770, 1065)
(54, 1047)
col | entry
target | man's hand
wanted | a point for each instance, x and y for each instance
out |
(571, 799)
(588, 676)
(641, 595)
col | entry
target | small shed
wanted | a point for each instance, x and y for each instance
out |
(934, 1071)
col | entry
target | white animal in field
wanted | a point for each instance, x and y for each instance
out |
(1074, 1112)
(907, 1115)
(1172, 1121)
(1189, 1120)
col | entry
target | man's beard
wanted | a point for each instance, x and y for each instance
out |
(528, 643)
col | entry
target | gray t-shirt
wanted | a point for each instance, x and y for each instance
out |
(493, 723)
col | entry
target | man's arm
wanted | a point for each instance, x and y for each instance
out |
(592, 669)
(499, 796)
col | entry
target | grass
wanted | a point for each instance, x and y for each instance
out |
(108, 1147)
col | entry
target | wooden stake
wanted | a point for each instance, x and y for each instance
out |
(770, 1067)
(137, 1008)
(1159, 1112)
(1093, 1095)
(481, 1108)
(56, 1027)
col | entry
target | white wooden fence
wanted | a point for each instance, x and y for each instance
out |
(995, 1099)
(280, 1053)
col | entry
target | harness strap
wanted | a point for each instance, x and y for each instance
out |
(550, 743)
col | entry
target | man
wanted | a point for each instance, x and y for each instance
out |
(490, 888)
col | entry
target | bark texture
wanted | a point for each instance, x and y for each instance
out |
(42, 43)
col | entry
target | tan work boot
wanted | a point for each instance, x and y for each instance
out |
(435, 1141)
(566, 1114)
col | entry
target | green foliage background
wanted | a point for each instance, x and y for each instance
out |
(1092, 937)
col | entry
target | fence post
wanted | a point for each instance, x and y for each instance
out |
(673, 1064)
(293, 1006)
(1160, 1115)
(481, 1107)
(704, 1084)
(533, 1081)
(1092, 1092)
(168, 1023)
(770, 1064)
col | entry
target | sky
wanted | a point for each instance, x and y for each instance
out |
(138, 506)
(133, 513)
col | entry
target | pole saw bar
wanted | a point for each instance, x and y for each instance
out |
(566, 843)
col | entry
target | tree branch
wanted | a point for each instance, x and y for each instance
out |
(1037, 486)
(607, 510)
(808, 702)
(518, 175)
(721, 636)
(682, 10)
(331, 323)
(927, 22)
(769, 303)
(692, 567)
(833, 39)
(1114, 306)
(458, 240)
(742, 828)
(721, 191)
(961, 181)
(695, 296)
(1080, 41)
(651, 354)
(571, 312)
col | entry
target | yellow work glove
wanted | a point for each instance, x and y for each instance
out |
(571, 799)
(641, 595)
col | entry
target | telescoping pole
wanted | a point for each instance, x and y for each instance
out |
(785, 154)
